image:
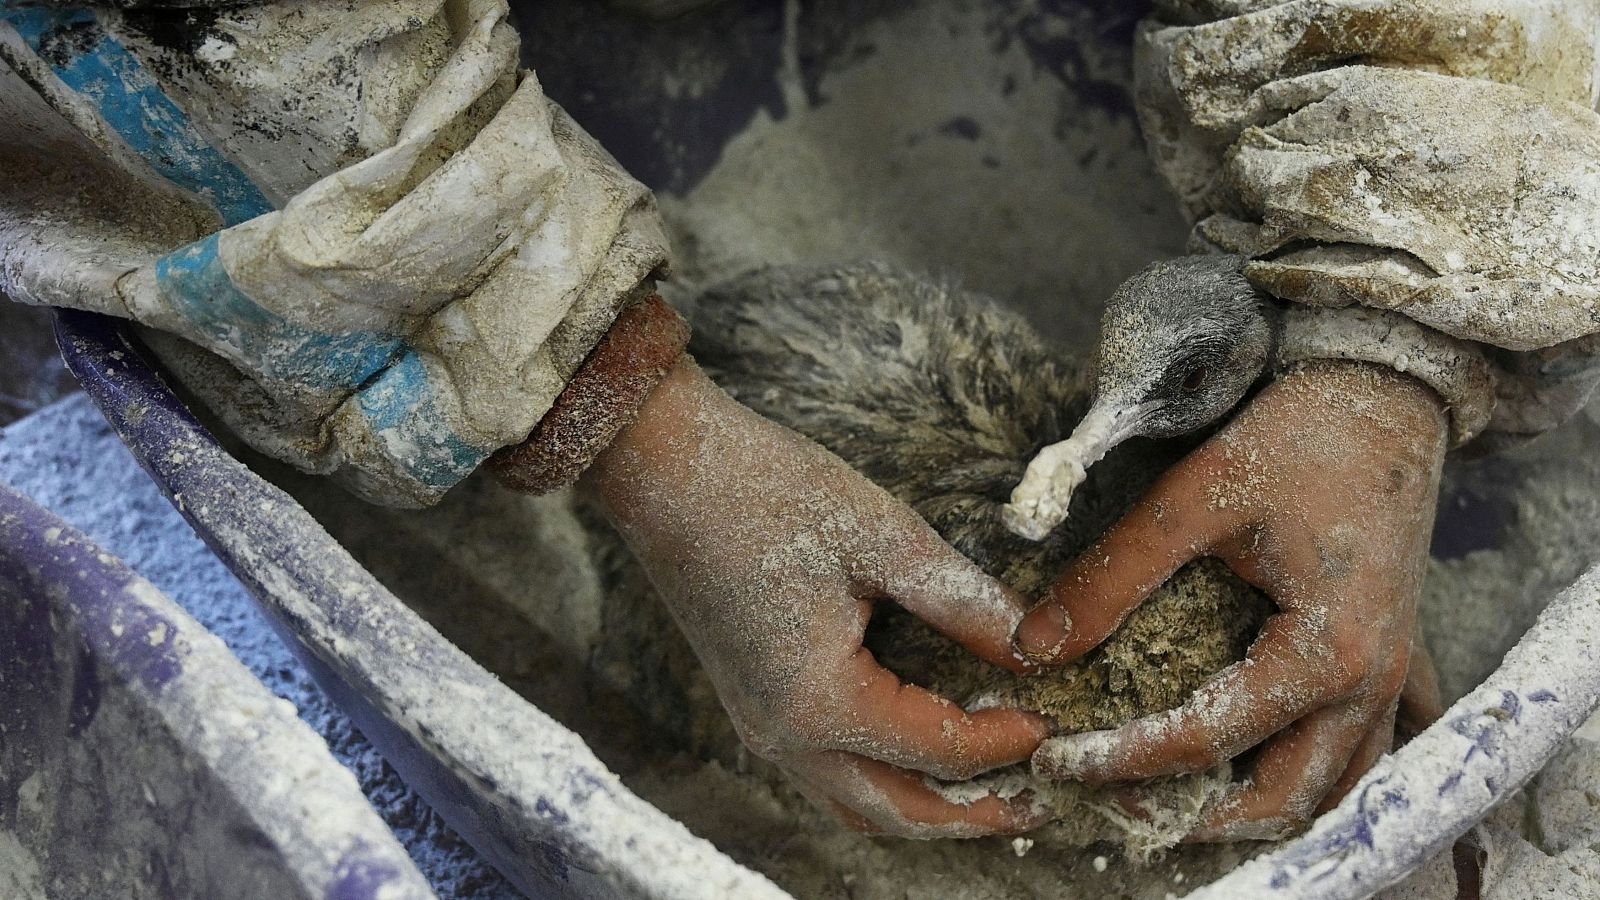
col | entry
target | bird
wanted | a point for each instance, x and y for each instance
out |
(1181, 343)
(941, 396)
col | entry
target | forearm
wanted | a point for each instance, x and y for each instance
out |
(1201, 63)
(417, 249)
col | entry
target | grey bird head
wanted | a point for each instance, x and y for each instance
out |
(1180, 343)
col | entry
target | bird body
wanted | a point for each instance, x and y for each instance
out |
(1181, 343)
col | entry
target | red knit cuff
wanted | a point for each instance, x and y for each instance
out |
(603, 397)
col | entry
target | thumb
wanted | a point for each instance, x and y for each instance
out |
(937, 584)
(1170, 526)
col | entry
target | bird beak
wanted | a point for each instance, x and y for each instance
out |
(1039, 503)
(1109, 423)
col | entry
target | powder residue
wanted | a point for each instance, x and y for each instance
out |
(19, 871)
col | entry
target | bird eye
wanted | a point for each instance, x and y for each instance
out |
(1195, 380)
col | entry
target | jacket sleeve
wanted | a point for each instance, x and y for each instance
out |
(1436, 161)
(406, 251)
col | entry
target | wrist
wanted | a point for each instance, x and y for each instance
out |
(1372, 403)
(1457, 370)
(651, 449)
(600, 401)
(667, 412)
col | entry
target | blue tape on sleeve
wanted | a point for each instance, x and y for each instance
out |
(388, 377)
(393, 391)
(195, 285)
(401, 410)
(98, 68)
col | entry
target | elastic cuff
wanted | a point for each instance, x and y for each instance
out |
(603, 397)
(1455, 369)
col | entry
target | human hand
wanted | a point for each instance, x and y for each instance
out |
(770, 552)
(1321, 493)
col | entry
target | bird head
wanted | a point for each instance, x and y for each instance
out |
(1180, 343)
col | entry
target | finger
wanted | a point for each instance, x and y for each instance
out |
(1286, 674)
(907, 804)
(1377, 741)
(1420, 703)
(948, 591)
(1171, 525)
(1295, 770)
(917, 729)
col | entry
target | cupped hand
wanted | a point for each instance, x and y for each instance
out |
(771, 552)
(1321, 493)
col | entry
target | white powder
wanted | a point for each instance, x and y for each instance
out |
(19, 871)
(938, 152)
(869, 172)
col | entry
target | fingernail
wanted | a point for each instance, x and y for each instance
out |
(1042, 634)
(1073, 755)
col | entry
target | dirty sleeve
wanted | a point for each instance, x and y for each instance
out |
(354, 228)
(1436, 161)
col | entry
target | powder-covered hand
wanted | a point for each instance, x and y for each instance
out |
(770, 552)
(1321, 493)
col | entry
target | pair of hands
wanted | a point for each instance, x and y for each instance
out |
(1282, 124)
(771, 551)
